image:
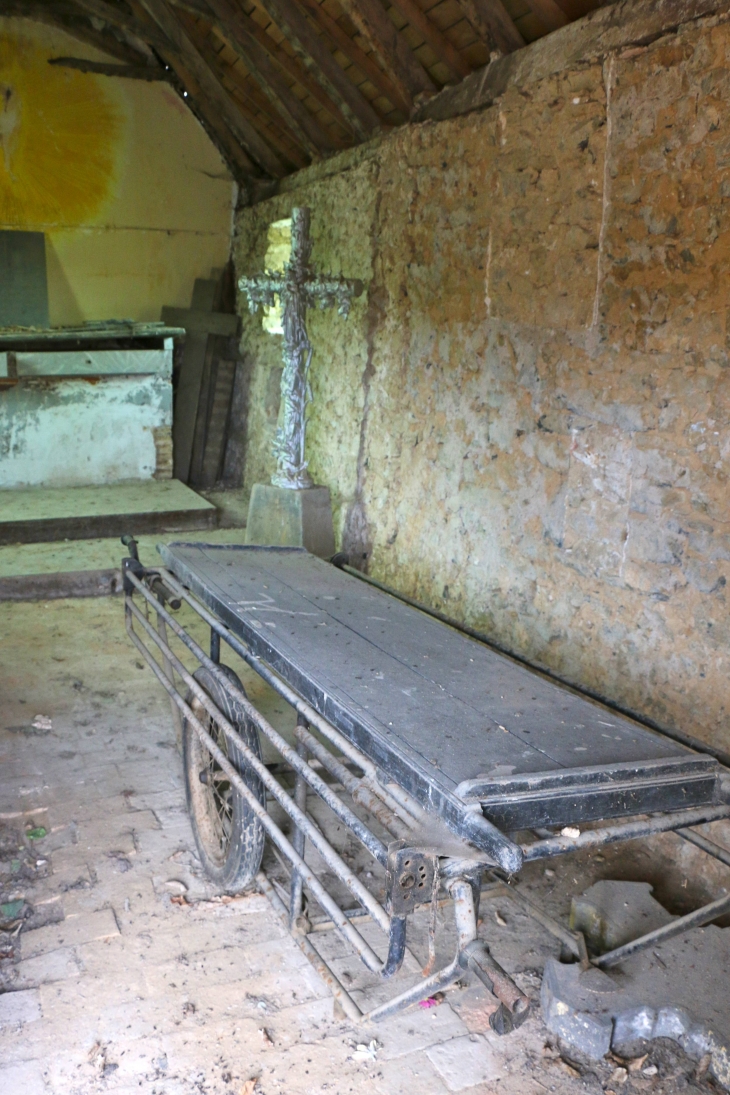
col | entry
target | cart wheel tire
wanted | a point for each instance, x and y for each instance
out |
(229, 836)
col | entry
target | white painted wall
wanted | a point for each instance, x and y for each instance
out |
(66, 433)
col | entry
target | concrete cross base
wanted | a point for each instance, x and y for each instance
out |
(279, 517)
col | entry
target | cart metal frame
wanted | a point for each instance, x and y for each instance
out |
(421, 854)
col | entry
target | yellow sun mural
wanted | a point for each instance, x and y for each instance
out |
(59, 138)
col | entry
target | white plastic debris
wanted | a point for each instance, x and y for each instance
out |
(176, 887)
(570, 831)
(42, 722)
(365, 1052)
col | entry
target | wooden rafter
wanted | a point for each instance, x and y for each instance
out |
(318, 59)
(213, 90)
(115, 15)
(352, 51)
(280, 83)
(393, 52)
(68, 18)
(444, 49)
(305, 127)
(549, 13)
(256, 106)
(99, 68)
(288, 63)
(493, 23)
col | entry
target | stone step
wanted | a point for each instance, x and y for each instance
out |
(42, 515)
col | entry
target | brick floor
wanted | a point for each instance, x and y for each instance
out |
(113, 986)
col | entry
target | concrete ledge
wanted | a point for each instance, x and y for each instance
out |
(48, 587)
(43, 515)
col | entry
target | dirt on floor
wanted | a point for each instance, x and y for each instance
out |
(123, 969)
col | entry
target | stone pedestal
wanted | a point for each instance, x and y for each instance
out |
(279, 517)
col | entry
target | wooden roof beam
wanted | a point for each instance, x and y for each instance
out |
(288, 64)
(117, 16)
(352, 51)
(254, 104)
(99, 68)
(444, 49)
(211, 87)
(241, 165)
(76, 23)
(318, 59)
(304, 126)
(393, 52)
(549, 13)
(493, 23)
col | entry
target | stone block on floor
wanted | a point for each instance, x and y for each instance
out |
(19, 1007)
(613, 913)
(416, 1029)
(74, 930)
(465, 1062)
(23, 1079)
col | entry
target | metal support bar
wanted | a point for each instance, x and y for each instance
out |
(595, 838)
(176, 720)
(312, 832)
(298, 839)
(360, 914)
(466, 927)
(338, 990)
(355, 786)
(682, 924)
(706, 845)
(361, 947)
(376, 847)
(514, 1006)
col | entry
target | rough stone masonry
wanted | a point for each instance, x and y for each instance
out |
(525, 420)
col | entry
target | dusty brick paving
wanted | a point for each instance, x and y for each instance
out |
(124, 971)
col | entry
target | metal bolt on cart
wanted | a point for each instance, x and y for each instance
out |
(434, 750)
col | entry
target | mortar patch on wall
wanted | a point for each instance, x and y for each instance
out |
(61, 133)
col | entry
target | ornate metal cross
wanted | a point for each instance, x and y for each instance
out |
(298, 288)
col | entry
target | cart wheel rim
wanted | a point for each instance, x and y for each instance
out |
(214, 792)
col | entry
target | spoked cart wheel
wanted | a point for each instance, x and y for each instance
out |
(229, 836)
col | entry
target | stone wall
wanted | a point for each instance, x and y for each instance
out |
(524, 421)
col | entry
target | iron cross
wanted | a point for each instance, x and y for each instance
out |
(298, 288)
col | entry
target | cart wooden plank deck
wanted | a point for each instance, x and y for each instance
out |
(448, 751)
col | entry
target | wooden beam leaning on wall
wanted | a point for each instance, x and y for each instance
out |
(318, 59)
(603, 31)
(212, 89)
(493, 23)
(305, 127)
(390, 47)
(444, 49)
